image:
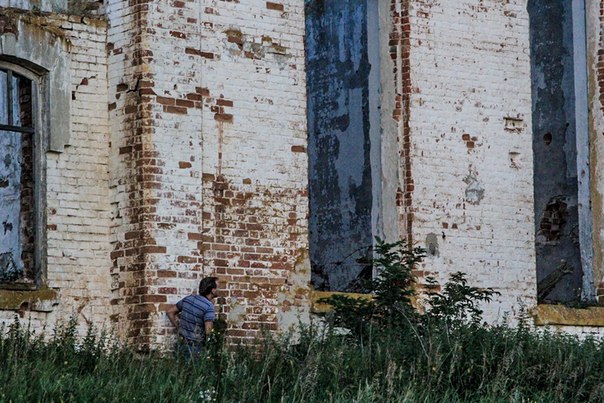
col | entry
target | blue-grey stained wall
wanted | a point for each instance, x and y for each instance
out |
(339, 143)
(555, 146)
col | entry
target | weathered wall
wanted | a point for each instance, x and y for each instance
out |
(40, 5)
(208, 111)
(555, 146)
(254, 226)
(74, 7)
(339, 142)
(595, 52)
(201, 168)
(76, 189)
(132, 163)
(471, 140)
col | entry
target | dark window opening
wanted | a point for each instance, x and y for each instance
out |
(342, 61)
(561, 148)
(17, 208)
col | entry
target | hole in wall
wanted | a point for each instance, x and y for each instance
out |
(554, 218)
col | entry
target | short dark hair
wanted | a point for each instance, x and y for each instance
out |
(206, 285)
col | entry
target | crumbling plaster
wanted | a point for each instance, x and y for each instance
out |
(45, 49)
(199, 165)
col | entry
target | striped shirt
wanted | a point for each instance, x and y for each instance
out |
(194, 310)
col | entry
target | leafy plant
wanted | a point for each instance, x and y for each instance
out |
(392, 289)
(458, 302)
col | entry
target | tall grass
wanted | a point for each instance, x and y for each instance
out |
(427, 362)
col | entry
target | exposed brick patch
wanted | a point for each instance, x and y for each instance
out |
(133, 94)
(196, 52)
(400, 48)
(274, 6)
(250, 238)
(224, 117)
(470, 141)
(179, 35)
(8, 25)
(224, 102)
(254, 48)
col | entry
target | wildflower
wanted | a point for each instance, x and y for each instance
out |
(208, 395)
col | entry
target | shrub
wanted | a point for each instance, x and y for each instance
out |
(392, 289)
(458, 303)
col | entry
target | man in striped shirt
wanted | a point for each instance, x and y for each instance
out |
(194, 316)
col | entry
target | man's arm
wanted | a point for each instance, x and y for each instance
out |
(172, 312)
(209, 326)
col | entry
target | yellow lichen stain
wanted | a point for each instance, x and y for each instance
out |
(14, 299)
(563, 315)
(323, 307)
(595, 165)
(41, 24)
(299, 278)
(278, 49)
(302, 260)
(234, 33)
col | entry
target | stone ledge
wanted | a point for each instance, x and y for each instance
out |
(322, 307)
(563, 315)
(42, 300)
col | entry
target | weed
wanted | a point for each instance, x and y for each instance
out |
(428, 362)
(397, 355)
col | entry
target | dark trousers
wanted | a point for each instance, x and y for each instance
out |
(189, 350)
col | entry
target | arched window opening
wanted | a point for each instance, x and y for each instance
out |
(18, 233)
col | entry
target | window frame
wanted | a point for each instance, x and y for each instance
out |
(39, 99)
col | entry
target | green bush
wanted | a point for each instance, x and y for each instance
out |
(393, 288)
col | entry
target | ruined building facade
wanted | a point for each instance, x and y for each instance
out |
(145, 144)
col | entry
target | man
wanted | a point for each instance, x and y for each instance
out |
(194, 316)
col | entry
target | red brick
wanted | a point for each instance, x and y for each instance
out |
(274, 6)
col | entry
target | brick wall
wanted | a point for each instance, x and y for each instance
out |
(199, 166)
(77, 187)
(208, 115)
(133, 161)
(472, 167)
(246, 145)
(78, 198)
(595, 51)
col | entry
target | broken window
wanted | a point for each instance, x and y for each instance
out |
(17, 207)
(561, 152)
(342, 61)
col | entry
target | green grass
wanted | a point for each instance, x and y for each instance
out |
(423, 363)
